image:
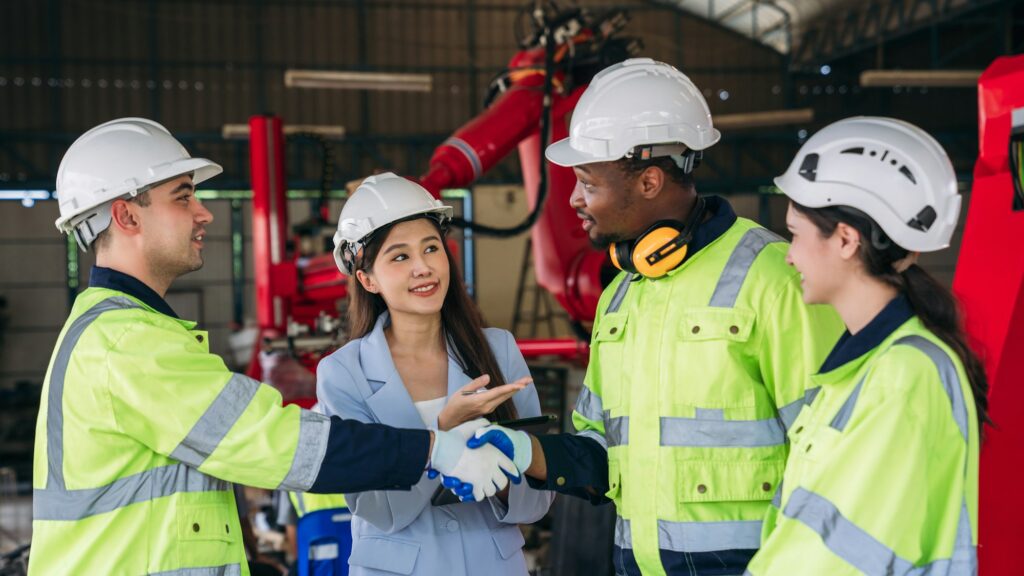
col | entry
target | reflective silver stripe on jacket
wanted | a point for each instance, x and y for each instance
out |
(593, 435)
(862, 551)
(55, 398)
(589, 405)
(55, 501)
(616, 430)
(855, 545)
(623, 534)
(218, 419)
(791, 411)
(64, 504)
(620, 293)
(226, 570)
(314, 431)
(697, 536)
(696, 432)
(842, 417)
(738, 266)
(709, 536)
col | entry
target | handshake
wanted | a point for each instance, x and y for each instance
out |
(477, 459)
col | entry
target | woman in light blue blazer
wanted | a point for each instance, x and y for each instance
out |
(420, 359)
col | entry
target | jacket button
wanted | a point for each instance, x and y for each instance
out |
(696, 329)
(613, 330)
(195, 527)
(734, 329)
(767, 486)
(227, 529)
(199, 338)
(560, 481)
(452, 526)
(702, 488)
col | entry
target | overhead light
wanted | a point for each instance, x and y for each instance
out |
(24, 196)
(764, 119)
(241, 131)
(339, 80)
(920, 78)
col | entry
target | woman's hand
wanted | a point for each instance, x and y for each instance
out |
(466, 404)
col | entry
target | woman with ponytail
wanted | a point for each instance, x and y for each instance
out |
(420, 358)
(882, 476)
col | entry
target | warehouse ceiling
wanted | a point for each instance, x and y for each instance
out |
(817, 31)
(772, 22)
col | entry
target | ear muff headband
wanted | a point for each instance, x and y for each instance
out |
(661, 248)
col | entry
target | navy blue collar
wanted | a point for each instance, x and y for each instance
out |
(722, 218)
(101, 277)
(850, 347)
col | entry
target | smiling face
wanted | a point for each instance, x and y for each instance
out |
(604, 200)
(825, 263)
(411, 271)
(173, 226)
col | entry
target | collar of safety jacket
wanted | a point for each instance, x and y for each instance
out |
(722, 217)
(109, 278)
(852, 349)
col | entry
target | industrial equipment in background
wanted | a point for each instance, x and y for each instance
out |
(989, 283)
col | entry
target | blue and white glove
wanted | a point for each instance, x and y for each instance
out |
(472, 474)
(515, 444)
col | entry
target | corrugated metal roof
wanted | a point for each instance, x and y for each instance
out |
(772, 22)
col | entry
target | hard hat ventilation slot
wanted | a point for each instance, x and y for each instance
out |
(924, 219)
(809, 167)
(859, 150)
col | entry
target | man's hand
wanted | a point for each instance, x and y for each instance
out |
(515, 444)
(472, 474)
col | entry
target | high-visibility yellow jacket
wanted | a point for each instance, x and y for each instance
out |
(141, 430)
(692, 383)
(305, 503)
(883, 472)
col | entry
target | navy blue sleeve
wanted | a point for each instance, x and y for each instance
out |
(577, 466)
(363, 457)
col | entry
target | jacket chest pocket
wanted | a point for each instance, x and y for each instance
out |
(206, 533)
(610, 343)
(712, 364)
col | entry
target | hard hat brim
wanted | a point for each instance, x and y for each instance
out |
(563, 154)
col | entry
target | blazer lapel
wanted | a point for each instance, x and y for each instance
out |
(390, 401)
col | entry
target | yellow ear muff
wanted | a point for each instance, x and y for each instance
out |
(659, 251)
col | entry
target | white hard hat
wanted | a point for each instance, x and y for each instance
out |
(891, 170)
(380, 200)
(635, 103)
(119, 158)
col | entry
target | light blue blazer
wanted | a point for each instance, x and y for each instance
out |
(396, 532)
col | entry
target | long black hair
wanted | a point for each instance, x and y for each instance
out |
(461, 323)
(933, 303)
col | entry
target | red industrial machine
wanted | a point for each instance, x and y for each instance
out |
(297, 299)
(989, 281)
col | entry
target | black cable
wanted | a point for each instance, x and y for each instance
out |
(545, 125)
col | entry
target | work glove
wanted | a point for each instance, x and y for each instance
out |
(472, 474)
(515, 444)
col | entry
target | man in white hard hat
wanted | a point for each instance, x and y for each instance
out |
(142, 430)
(701, 346)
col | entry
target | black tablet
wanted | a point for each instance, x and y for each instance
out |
(535, 425)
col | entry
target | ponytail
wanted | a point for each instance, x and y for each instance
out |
(932, 302)
(939, 311)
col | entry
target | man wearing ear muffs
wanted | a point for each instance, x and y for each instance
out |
(702, 346)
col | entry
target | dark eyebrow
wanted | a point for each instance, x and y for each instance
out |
(583, 168)
(183, 187)
(394, 247)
